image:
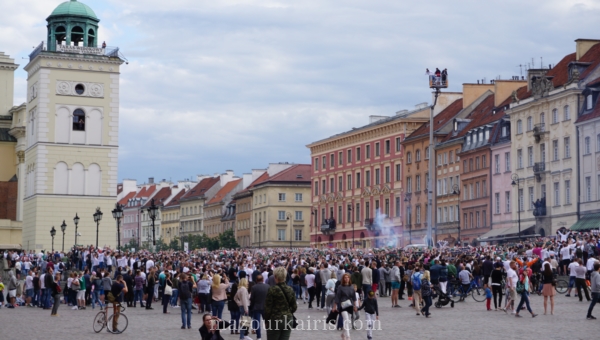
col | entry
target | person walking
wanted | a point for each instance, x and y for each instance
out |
(167, 293)
(523, 289)
(151, 282)
(580, 283)
(371, 313)
(280, 306)
(310, 283)
(345, 300)
(395, 279)
(426, 293)
(242, 299)
(219, 295)
(497, 285)
(138, 282)
(204, 294)
(258, 295)
(548, 289)
(415, 281)
(330, 292)
(185, 299)
(55, 291)
(595, 286)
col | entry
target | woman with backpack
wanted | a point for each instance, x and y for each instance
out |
(523, 290)
(415, 282)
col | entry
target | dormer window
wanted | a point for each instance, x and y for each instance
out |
(504, 131)
(455, 125)
(468, 139)
(481, 136)
(590, 102)
(487, 134)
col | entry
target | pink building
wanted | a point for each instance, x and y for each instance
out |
(501, 176)
(131, 228)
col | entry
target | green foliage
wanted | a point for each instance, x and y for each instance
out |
(227, 240)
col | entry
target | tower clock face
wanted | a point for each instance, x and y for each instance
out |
(79, 89)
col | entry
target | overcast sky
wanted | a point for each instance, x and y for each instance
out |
(237, 84)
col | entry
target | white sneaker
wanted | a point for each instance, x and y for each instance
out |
(247, 338)
(74, 308)
(175, 306)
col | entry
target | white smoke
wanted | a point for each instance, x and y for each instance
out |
(387, 234)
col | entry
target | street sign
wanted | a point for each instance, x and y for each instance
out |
(185, 246)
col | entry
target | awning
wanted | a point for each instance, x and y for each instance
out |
(587, 222)
(504, 234)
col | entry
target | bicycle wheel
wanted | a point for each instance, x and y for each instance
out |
(478, 294)
(121, 326)
(561, 286)
(99, 322)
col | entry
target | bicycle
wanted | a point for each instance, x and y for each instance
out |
(477, 293)
(103, 320)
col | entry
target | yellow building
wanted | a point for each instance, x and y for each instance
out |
(191, 218)
(218, 210)
(71, 157)
(170, 223)
(281, 207)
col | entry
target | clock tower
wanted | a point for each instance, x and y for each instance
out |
(71, 155)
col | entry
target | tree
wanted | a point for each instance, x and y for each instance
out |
(161, 245)
(174, 245)
(131, 244)
(227, 240)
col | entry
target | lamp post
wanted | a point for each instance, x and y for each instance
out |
(517, 181)
(63, 227)
(180, 234)
(117, 215)
(52, 233)
(97, 218)
(76, 220)
(352, 222)
(259, 230)
(314, 213)
(456, 191)
(289, 217)
(152, 209)
(407, 198)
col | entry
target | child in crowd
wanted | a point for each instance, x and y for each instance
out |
(488, 296)
(371, 313)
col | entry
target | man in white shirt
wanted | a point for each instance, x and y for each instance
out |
(572, 276)
(565, 256)
(310, 286)
(511, 286)
(149, 264)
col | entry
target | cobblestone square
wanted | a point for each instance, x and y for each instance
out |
(465, 321)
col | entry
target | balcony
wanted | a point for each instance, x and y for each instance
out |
(438, 82)
(538, 169)
(539, 207)
(328, 226)
(112, 52)
(538, 131)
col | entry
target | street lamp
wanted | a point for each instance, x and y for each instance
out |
(314, 213)
(289, 217)
(97, 218)
(117, 215)
(407, 198)
(152, 209)
(517, 181)
(259, 230)
(352, 222)
(76, 220)
(52, 233)
(63, 227)
(456, 191)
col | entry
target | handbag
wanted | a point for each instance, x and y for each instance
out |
(294, 320)
(245, 321)
(168, 290)
(346, 303)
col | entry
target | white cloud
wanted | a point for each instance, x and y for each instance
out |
(239, 83)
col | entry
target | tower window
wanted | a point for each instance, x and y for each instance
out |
(79, 120)
(80, 89)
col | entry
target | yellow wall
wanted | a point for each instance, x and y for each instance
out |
(10, 232)
(8, 159)
(473, 91)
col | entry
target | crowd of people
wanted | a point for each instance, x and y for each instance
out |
(262, 288)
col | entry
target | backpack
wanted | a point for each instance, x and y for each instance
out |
(184, 290)
(415, 280)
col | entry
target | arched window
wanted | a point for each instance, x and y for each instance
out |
(60, 34)
(408, 157)
(94, 179)
(554, 116)
(529, 123)
(61, 178)
(418, 155)
(542, 118)
(91, 38)
(566, 113)
(427, 153)
(77, 184)
(77, 35)
(78, 120)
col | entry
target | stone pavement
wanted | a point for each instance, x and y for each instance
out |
(468, 320)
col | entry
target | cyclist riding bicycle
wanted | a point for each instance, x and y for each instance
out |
(114, 296)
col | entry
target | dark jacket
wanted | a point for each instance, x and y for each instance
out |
(206, 335)
(258, 296)
(488, 267)
(370, 306)
(280, 304)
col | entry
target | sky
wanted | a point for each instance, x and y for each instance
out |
(236, 84)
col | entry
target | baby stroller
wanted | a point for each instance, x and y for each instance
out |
(443, 299)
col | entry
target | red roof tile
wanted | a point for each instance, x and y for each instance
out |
(175, 200)
(295, 173)
(257, 181)
(127, 197)
(591, 56)
(439, 121)
(146, 192)
(201, 188)
(560, 71)
(224, 191)
(160, 197)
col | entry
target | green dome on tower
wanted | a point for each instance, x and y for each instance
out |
(74, 8)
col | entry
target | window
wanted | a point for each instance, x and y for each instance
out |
(386, 207)
(476, 163)
(588, 189)
(398, 172)
(554, 150)
(530, 156)
(586, 146)
(397, 207)
(418, 214)
(529, 123)
(566, 113)
(349, 182)
(398, 145)
(323, 187)
(349, 157)
(377, 149)
(520, 198)
(484, 218)
(282, 197)
(445, 158)
(497, 202)
(531, 198)
(451, 214)
(477, 190)
(554, 116)
(465, 169)
(298, 216)
(357, 154)
(483, 161)
(349, 212)
(316, 164)
(377, 176)
(465, 192)
(567, 147)
(298, 234)
(471, 164)
(427, 153)
(367, 178)
(519, 127)
(542, 118)
(477, 221)
(408, 157)
(280, 234)
(387, 147)
(590, 102)
(340, 183)
(439, 159)
(331, 185)
(324, 162)
(471, 191)
(368, 151)
(358, 182)
(497, 160)
(357, 212)
(281, 215)
(367, 209)
(465, 220)
(451, 157)
(484, 188)
(418, 183)
(507, 199)
(332, 160)
(408, 184)
(387, 174)
(567, 192)
(340, 216)
(316, 189)
(340, 158)
(556, 194)
(543, 152)
(78, 120)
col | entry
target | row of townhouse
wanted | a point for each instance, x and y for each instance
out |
(268, 207)
(513, 158)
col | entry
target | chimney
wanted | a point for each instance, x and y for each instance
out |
(473, 91)
(504, 88)
(582, 46)
(151, 180)
(444, 100)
